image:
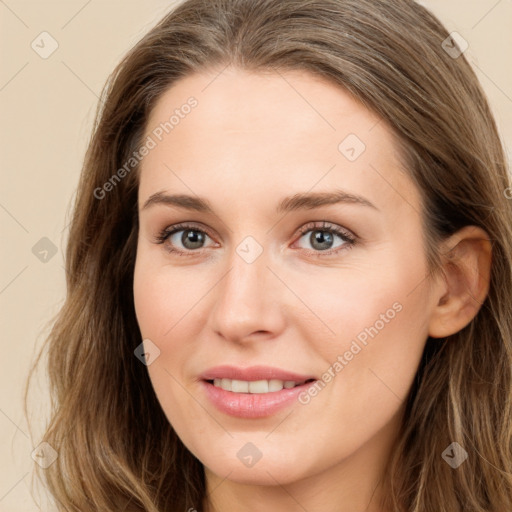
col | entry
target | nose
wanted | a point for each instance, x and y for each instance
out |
(249, 301)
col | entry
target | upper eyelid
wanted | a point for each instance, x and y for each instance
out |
(327, 226)
(181, 226)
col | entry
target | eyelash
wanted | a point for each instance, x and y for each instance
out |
(349, 239)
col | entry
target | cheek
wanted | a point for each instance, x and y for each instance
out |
(345, 304)
(380, 354)
(162, 296)
(167, 308)
(162, 299)
(375, 318)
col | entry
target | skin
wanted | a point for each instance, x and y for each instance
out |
(252, 140)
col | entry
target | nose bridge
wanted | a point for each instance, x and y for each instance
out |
(247, 299)
(246, 285)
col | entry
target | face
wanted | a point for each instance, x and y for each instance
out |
(295, 260)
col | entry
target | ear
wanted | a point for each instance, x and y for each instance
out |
(464, 285)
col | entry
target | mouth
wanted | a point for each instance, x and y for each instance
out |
(255, 392)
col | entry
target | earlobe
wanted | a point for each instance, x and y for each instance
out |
(466, 257)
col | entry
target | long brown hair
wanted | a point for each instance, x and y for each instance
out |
(116, 449)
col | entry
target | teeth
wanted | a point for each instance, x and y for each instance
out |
(275, 385)
(239, 386)
(255, 386)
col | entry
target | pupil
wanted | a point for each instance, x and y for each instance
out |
(192, 239)
(322, 237)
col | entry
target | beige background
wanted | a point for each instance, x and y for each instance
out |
(47, 113)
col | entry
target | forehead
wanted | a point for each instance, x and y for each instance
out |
(236, 101)
(246, 131)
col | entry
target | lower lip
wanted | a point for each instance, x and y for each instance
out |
(252, 405)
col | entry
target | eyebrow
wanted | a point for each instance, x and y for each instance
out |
(300, 201)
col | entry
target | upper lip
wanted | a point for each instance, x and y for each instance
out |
(253, 373)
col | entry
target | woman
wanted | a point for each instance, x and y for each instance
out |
(205, 358)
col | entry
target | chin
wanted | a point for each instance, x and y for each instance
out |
(271, 466)
(262, 473)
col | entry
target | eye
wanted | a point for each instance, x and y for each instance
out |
(182, 238)
(187, 239)
(322, 237)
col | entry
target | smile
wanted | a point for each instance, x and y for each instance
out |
(256, 386)
(255, 392)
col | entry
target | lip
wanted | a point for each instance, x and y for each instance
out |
(252, 405)
(252, 373)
